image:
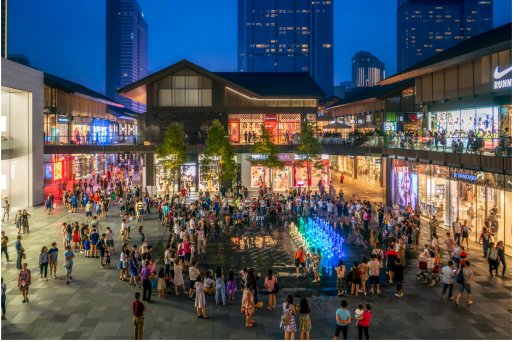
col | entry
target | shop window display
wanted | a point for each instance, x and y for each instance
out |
(246, 128)
(281, 179)
(259, 176)
(369, 169)
(406, 185)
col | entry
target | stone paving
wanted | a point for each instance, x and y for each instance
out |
(96, 305)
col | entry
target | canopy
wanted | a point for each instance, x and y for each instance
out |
(368, 125)
(336, 125)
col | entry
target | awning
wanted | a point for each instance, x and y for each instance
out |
(337, 125)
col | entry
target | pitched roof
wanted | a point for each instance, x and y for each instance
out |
(291, 84)
(486, 43)
(123, 113)
(373, 93)
(253, 84)
(77, 89)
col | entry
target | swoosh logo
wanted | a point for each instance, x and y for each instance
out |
(499, 75)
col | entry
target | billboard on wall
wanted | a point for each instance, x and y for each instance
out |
(405, 186)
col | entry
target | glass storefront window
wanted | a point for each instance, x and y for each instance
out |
(369, 169)
(259, 176)
(246, 128)
(345, 165)
(281, 179)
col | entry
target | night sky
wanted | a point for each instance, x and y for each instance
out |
(67, 38)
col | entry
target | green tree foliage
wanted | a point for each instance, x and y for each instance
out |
(220, 152)
(172, 154)
(268, 150)
(310, 150)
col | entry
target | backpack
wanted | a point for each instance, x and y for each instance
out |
(459, 278)
(99, 244)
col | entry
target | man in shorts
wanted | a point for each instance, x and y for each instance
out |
(89, 210)
(74, 203)
(343, 318)
(101, 247)
(53, 253)
(68, 263)
(299, 258)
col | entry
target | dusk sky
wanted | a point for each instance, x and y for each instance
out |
(67, 38)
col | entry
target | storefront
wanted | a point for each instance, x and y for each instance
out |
(369, 169)
(345, 164)
(56, 128)
(476, 197)
(254, 176)
(246, 128)
(485, 122)
(302, 174)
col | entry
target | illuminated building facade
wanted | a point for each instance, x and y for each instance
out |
(287, 36)
(426, 27)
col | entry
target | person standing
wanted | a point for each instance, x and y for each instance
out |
(269, 283)
(374, 273)
(247, 304)
(457, 230)
(200, 298)
(399, 270)
(24, 280)
(147, 287)
(501, 255)
(450, 245)
(434, 224)
(493, 259)
(43, 263)
(138, 309)
(363, 321)
(448, 276)
(5, 241)
(341, 280)
(465, 282)
(19, 252)
(343, 318)
(68, 263)
(7, 210)
(288, 322)
(300, 258)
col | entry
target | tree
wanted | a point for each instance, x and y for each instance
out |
(220, 152)
(268, 150)
(172, 153)
(310, 150)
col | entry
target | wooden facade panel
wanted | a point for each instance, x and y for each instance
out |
(504, 59)
(485, 70)
(438, 85)
(494, 62)
(426, 89)
(451, 82)
(419, 89)
(492, 162)
(466, 79)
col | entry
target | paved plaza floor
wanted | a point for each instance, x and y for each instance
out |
(97, 305)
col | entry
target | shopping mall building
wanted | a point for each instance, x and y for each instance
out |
(56, 130)
(465, 88)
(242, 102)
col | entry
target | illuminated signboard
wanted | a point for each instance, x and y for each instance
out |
(368, 118)
(360, 121)
(465, 176)
(352, 121)
(390, 126)
(325, 157)
(501, 81)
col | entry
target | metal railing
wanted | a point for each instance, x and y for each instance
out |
(111, 139)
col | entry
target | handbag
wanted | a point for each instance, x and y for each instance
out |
(459, 278)
(276, 289)
(55, 205)
(24, 256)
(285, 318)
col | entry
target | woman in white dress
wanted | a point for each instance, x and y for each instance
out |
(178, 280)
(200, 297)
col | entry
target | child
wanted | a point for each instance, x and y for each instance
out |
(108, 259)
(243, 278)
(231, 285)
(209, 283)
(358, 314)
(87, 247)
(161, 285)
(309, 262)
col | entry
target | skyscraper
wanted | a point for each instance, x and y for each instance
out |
(426, 27)
(126, 49)
(287, 36)
(4, 28)
(367, 70)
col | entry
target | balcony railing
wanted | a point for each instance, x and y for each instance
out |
(112, 139)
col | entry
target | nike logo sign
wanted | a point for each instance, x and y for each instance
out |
(499, 75)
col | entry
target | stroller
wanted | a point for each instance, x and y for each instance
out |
(423, 273)
(348, 283)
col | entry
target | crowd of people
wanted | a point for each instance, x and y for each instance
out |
(192, 224)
